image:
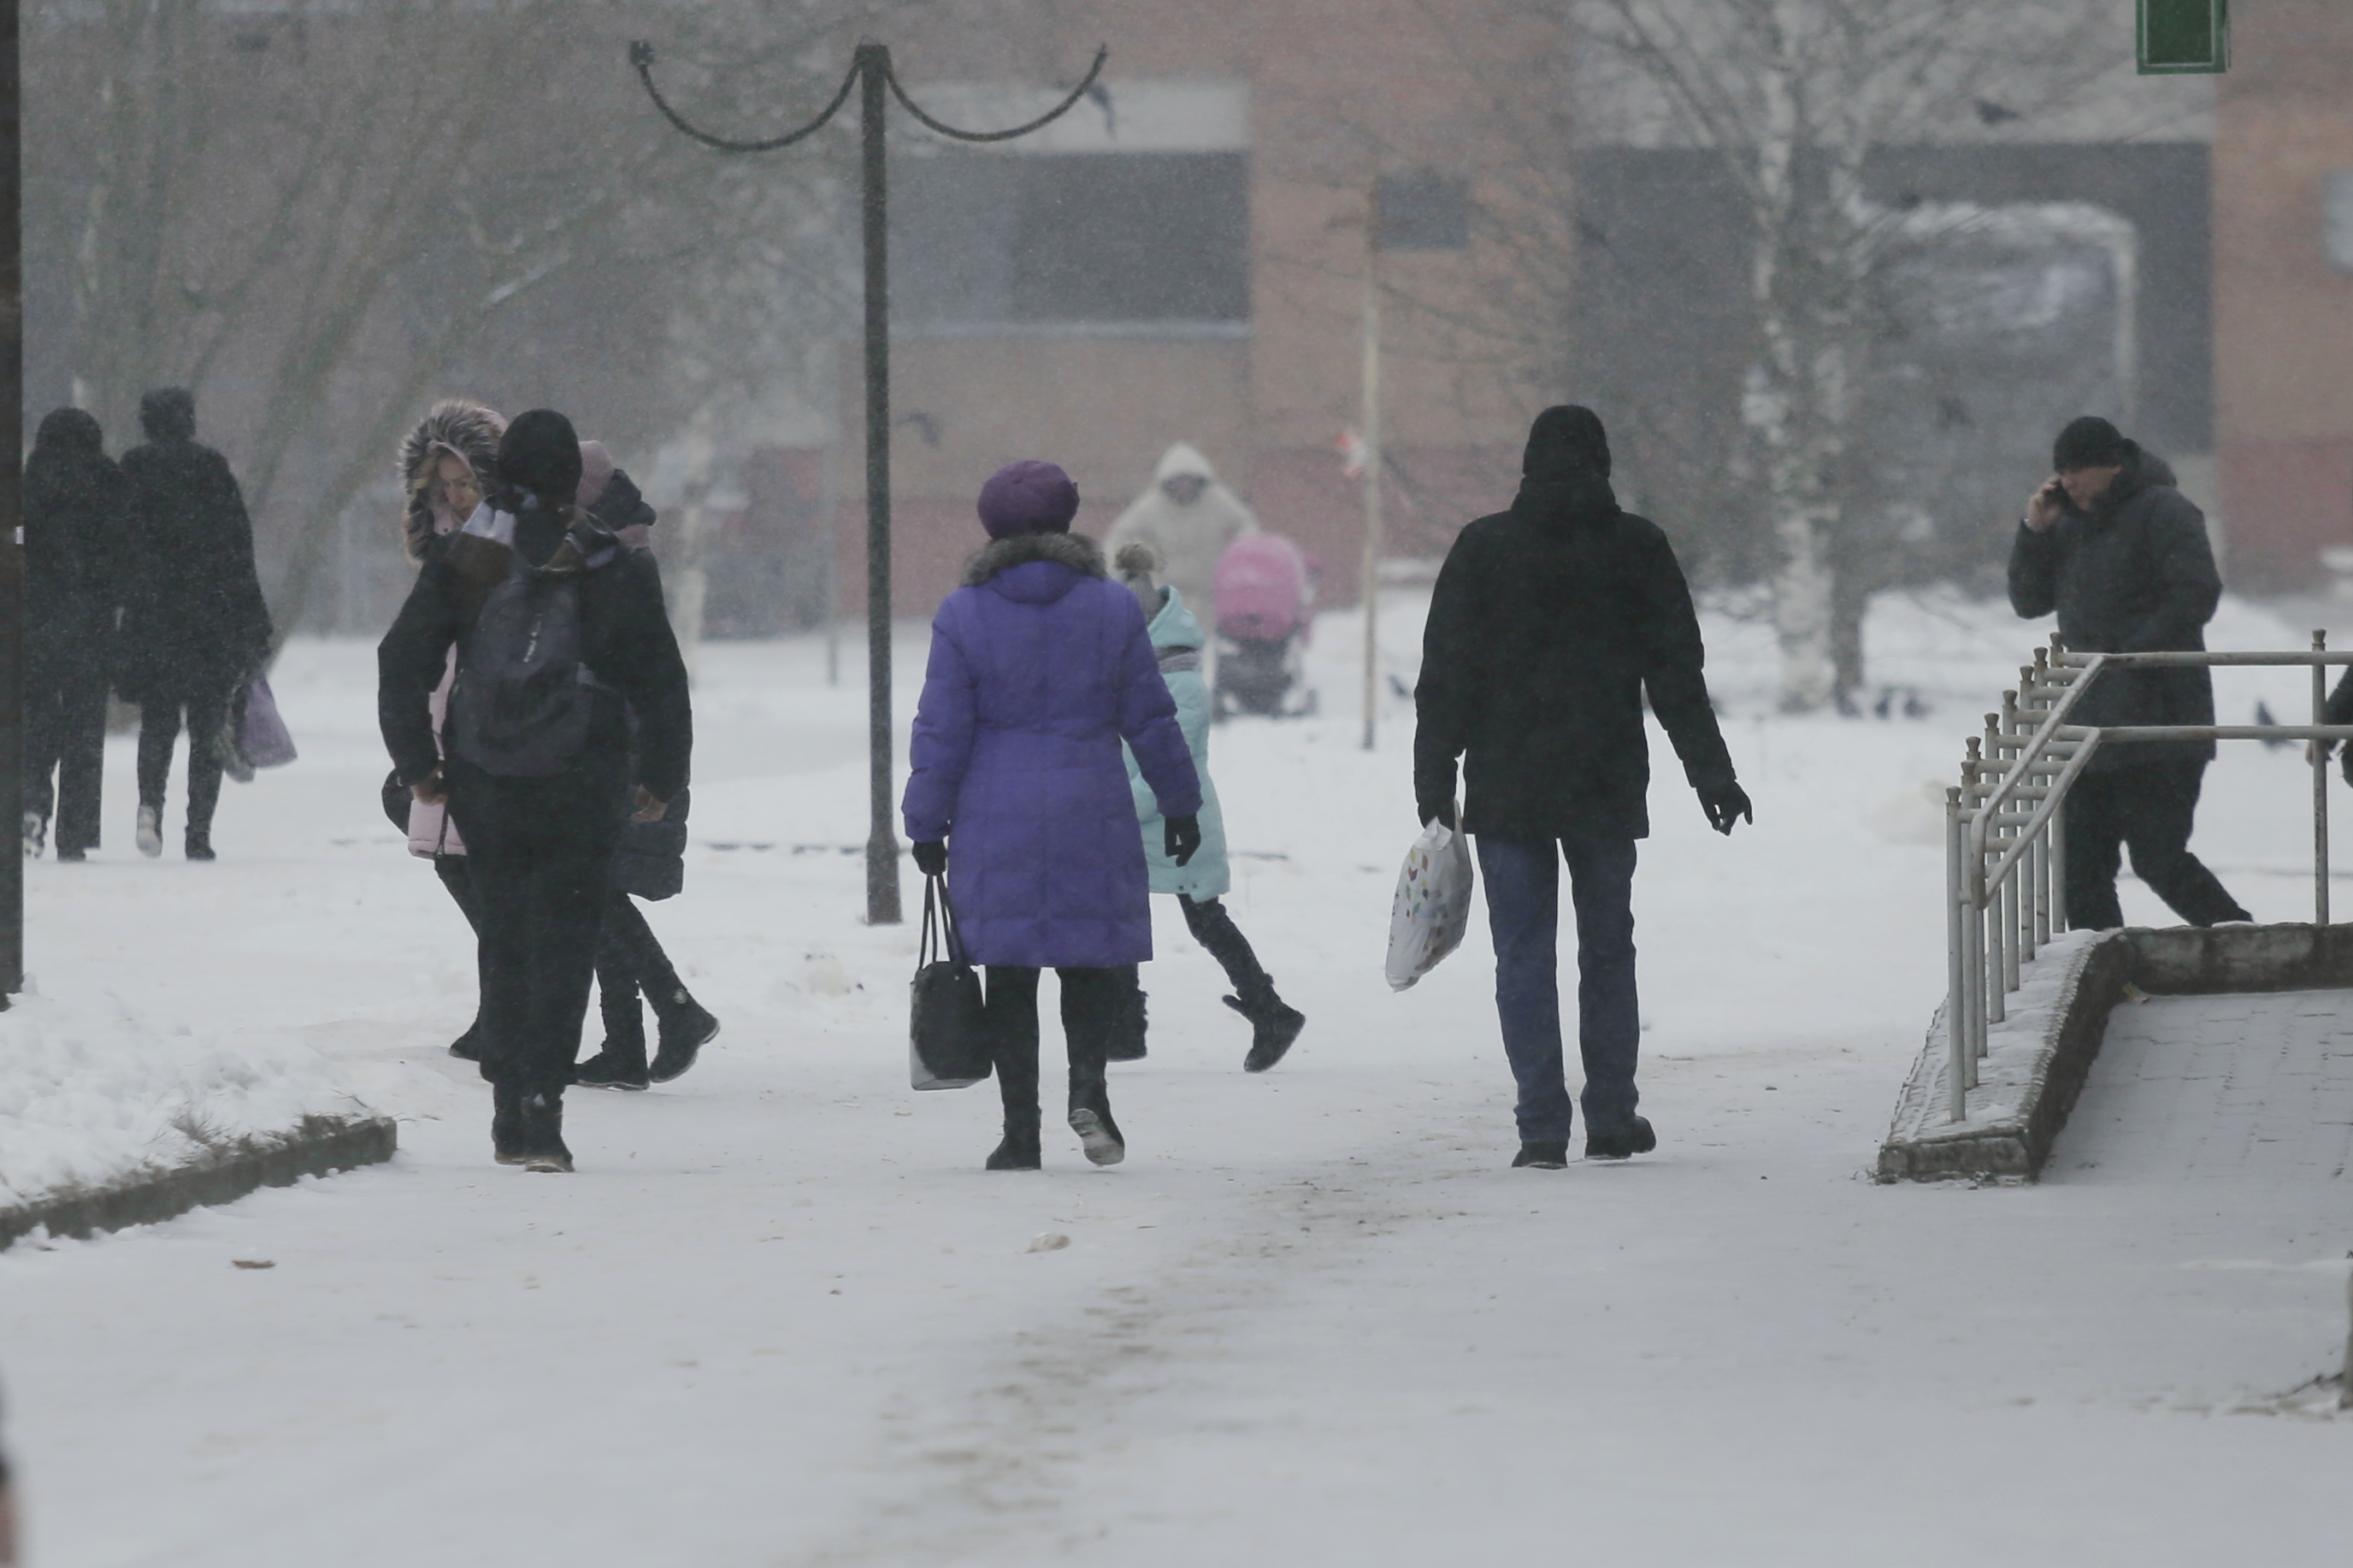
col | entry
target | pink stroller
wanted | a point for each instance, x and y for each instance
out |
(1266, 616)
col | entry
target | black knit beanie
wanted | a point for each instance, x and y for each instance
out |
(541, 453)
(2089, 442)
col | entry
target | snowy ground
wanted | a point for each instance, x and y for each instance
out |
(781, 1317)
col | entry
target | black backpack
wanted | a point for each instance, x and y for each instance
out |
(523, 700)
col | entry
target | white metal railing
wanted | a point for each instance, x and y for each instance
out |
(2005, 835)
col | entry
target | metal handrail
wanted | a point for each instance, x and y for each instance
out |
(2005, 825)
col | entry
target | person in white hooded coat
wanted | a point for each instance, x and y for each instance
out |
(1188, 518)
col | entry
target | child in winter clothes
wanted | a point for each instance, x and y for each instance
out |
(1201, 883)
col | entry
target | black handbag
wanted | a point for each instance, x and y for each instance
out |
(948, 1027)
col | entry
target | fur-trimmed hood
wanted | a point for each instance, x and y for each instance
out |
(463, 428)
(1075, 550)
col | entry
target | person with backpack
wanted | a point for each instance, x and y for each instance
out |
(1199, 885)
(560, 636)
(1039, 668)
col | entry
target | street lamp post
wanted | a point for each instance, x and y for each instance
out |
(871, 76)
(12, 516)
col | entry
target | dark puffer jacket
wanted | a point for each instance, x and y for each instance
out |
(1549, 623)
(2134, 574)
(193, 616)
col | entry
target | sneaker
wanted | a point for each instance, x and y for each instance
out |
(1018, 1151)
(151, 830)
(1544, 1154)
(1098, 1133)
(541, 1134)
(36, 834)
(684, 1032)
(1637, 1138)
(200, 845)
(1274, 1026)
(609, 1070)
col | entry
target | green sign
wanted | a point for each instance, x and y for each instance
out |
(2181, 37)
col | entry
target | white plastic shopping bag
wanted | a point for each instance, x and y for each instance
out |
(1432, 909)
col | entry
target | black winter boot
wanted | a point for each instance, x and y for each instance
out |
(1637, 1138)
(1125, 1039)
(506, 1124)
(620, 1063)
(542, 1143)
(1090, 1115)
(1543, 1155)
(1274, 1024)
(467, 1046)
(1018, 1150)
(686, 1028)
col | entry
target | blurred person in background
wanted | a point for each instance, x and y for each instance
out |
(1201, 883)
(195, 630)
(1039, 668)
(73, 534)
(1188, 518)
(2123, 556)
(562, 640)
(1551, 624)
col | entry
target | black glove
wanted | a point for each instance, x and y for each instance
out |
(1436, 811)
(931, 858)
(1182, 838)
(1725, 804)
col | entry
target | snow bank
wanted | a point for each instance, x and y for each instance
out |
(90, 1098)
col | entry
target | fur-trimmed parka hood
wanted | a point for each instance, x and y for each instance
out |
(1075, 550)
(457, 426)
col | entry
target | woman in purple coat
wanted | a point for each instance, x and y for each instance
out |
(1041, 667)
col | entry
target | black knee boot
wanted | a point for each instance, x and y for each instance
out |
(1275, 1024)
(1092, 1001)
(1013, 1047)
(1130, 1027)
(620, 1063)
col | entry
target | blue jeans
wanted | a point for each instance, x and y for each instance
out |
(1522, 878)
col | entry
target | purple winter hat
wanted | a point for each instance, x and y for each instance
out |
(1027, 496)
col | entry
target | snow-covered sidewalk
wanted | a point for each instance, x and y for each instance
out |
(782, 1317)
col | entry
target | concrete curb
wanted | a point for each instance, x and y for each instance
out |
(2037, 1058)
(320, 1146)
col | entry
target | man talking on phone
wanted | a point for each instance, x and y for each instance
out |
(2121, 554)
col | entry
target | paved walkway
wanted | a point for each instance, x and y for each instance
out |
(2254, 1090)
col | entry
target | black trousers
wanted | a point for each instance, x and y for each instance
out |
(2149, 810)
(1092, 999)
(65, 733)
(538, 853)
(630, 962)
(159, 731)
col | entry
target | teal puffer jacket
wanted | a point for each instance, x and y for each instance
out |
(1177, 637)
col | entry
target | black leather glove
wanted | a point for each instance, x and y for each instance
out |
(1725, 804)
(931, 858)
(1436, 811)
(1182, 838)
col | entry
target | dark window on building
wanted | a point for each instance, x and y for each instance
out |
(1143, 239)
(1424, 211)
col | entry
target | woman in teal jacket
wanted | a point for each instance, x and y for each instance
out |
(1201, 883)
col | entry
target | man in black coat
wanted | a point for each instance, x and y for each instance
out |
(540, 830)
(194, 629)
(1549, 624)
(2122, 556)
